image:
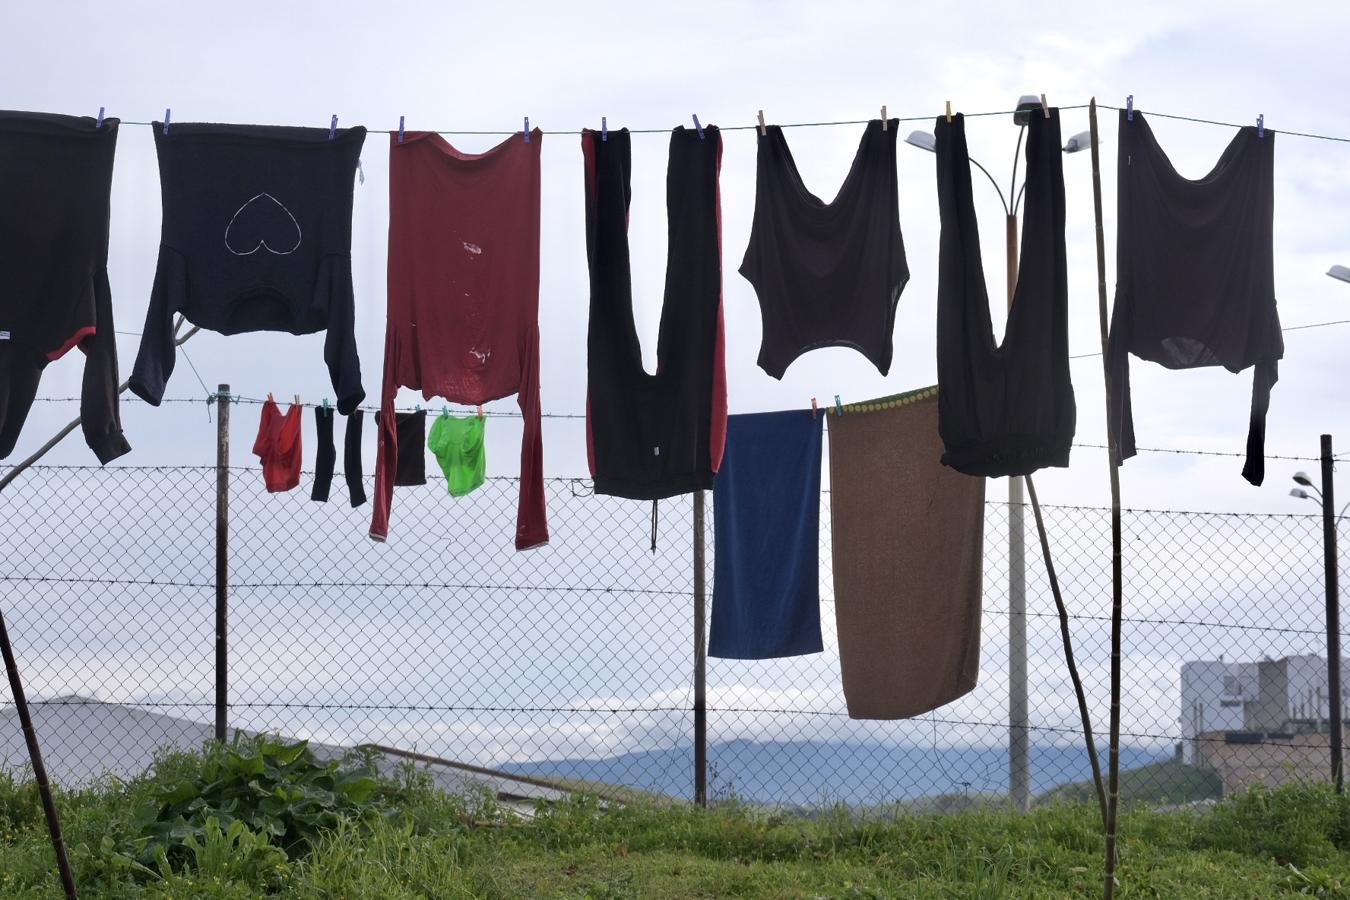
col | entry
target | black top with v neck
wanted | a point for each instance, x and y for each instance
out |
(1003, 409)
(827, 274)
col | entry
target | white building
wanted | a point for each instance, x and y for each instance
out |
(1272, 696)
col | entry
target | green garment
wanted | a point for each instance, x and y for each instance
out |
(457, 444)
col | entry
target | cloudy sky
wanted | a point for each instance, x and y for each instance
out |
(482, 67)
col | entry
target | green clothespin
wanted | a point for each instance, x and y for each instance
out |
(838, 407)
(325, 404)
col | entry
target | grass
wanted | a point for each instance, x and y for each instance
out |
(1159, 784)
(1289, 842)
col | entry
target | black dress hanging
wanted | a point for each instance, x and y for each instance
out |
(827, 274)
(1004, 409)
(651, 436)
(1195, 273)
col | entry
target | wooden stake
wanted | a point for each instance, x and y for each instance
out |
(1113, 759)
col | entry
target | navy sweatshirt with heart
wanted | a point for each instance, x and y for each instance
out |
(256, 236)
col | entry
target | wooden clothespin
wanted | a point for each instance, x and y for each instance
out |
(813, 407)
(480, 411)
(883, 117)
(762, 130)
(949, 112)
(1045, 107)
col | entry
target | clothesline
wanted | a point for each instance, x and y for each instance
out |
(841, 122)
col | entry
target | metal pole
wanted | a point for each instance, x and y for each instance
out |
(700, 663)
(1117, 586)
(35, 757)
(1019, 749)
(222, 557)
(1332, 561)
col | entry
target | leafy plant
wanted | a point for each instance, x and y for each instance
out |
(278, 794)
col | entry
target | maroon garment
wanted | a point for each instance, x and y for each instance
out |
(278, 446)
(463, 319)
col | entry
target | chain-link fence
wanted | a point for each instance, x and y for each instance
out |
(576, 661)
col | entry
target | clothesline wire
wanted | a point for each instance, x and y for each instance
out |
(842, 122)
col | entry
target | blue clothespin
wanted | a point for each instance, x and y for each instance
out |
(1129, 108)
(167, 113)
(698, 127)
(99, 122)
(332, 128)
(400, 129)
(838, 407)
(527, 129)
(1261, 125)
(604, 129)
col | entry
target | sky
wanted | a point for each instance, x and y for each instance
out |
(483, 67)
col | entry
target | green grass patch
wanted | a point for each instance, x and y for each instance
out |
(402, 839)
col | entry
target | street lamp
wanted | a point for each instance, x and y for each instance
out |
(1019, 734)
(1340, 273)
(1325, 498)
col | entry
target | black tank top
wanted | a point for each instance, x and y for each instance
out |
(1003, 409)
(655, 436)
(1195, 273)
(827, 275)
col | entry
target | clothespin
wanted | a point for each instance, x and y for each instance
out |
(295, 401)
(325, 404)
(1261, 125)
(480, 411)
(332, 127)
(1129, 108)
(813, 407)
(99, 122)
(445, 410)
(167, 113)
(527, 129)
(400, 129)
(417, 407)
(762, 130)
(949, 111)
(604, 129)
(698, 127)
(1045, 107)
(883, 118)
(838, 407)
(270, 398)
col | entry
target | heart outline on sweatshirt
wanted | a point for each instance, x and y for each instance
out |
(262, 241)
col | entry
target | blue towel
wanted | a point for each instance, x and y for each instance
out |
(766, 513)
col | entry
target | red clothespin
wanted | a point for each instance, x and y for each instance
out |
(813, 407)
(296, 400)
(270, 398)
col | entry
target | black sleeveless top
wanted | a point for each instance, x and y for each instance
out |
(652, 436)
(1195, 273)
(1003, 409)
(827, 275)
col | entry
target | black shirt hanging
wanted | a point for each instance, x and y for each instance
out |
(256, 236)
(827, 274)
(1003, 409)
(1195, 273)
(651, 436)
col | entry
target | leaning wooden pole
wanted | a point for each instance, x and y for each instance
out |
(35, 757)
(1113, 754)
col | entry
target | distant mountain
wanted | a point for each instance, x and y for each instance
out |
(814, 772)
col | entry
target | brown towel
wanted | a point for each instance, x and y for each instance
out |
(908, 537)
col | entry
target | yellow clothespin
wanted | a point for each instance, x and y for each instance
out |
(883, 117)
(480, 411)
(949, 111)
(1045, 107)
(762, 129)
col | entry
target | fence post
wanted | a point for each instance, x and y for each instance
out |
(700, 662)
(1331, 558)
(1019, 737)
(222, 557)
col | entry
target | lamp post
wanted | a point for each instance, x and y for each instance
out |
(1019, 738)
(1340, 273)
(1325, 498)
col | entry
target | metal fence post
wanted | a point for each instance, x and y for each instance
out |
(1331, 558)
(700, 662)
(1019, 737)
(222, 557)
